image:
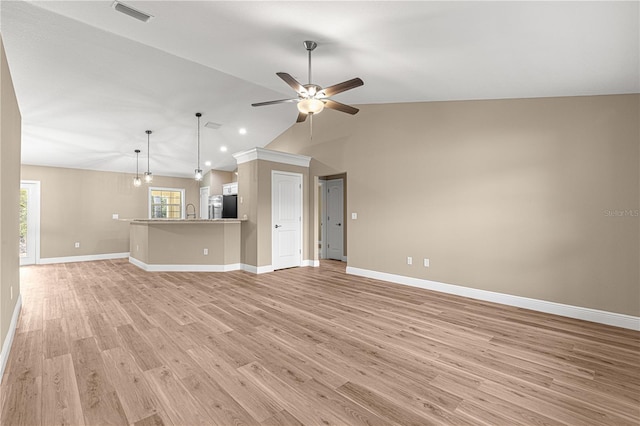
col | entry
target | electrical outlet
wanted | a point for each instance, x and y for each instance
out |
(409, 260)
(137, 247)
(77, 245)
(115, 216)
(205, 251)
(11, 292)
(426, 262)
(354, 216)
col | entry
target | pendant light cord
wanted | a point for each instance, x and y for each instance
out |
(198, 115)
(148, 154)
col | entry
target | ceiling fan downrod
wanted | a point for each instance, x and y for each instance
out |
(310, 46)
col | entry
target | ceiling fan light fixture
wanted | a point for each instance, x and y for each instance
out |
(310, 106)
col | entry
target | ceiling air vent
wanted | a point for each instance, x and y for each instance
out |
(212, 125)
(134, 13)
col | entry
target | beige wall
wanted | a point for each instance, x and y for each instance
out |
(77, 206)
(214, 179)
(513, 196)
(10, 135)
(184, 243)
(254, 188)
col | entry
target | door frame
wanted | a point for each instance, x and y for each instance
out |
(322, 186)
(300, 222)
(33, 213)
(202, 188)
(326, 214)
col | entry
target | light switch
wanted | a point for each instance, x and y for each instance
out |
(115, 216)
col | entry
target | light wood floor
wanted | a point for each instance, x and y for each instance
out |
(107, 343)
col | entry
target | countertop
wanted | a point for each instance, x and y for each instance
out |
(183, 221)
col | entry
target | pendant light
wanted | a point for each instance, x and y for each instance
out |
(137, 181)
(198, 170)
(148, 176)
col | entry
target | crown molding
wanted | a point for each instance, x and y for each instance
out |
(269, 155)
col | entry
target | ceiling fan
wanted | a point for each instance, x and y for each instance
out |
(312, 98)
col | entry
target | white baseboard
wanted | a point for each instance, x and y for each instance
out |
(184, 268)
(269, 268)
(256, 269)
(577, 312)
(86, 258)
(8, 340)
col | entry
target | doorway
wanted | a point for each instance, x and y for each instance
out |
(286, 219)
(29, 243)
(334, 219)
(204, 202)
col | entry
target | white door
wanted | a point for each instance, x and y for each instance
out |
(29, 222)
(286, 218)
(204, 202)
(322, 214)
(335, 219)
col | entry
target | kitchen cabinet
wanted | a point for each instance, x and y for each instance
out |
(230, 188)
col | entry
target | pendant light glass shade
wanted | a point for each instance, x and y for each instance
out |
(148, 176)
(198, 171)
(136, 180)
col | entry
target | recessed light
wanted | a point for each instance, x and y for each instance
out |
(223, 148)
(207, 163)
(242, 131)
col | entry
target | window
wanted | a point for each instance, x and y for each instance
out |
(166, 203)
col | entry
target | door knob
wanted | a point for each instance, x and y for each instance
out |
(278, 226)
(339, 224)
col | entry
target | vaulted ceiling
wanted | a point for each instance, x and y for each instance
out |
(91, 80)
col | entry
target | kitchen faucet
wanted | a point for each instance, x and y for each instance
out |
(191, 214)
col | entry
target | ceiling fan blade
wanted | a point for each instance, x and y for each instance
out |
(281, 101)
(341, 87)
(301, 117)
(328, 103)
(299, 88)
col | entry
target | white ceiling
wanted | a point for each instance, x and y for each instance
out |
(90, 80)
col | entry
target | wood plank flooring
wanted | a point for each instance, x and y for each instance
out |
(107, 343)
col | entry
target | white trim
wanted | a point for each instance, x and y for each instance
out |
(269, 155)
(577, 312)
(309, 262)
(257, 269)
(185, 268)
(323, 214)
(208, 190)
(86, 258)
(35, 212)
(8, 340)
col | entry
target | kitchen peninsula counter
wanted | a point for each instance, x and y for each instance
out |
(206, 245)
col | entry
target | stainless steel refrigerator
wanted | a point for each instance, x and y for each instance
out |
(215, 207)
